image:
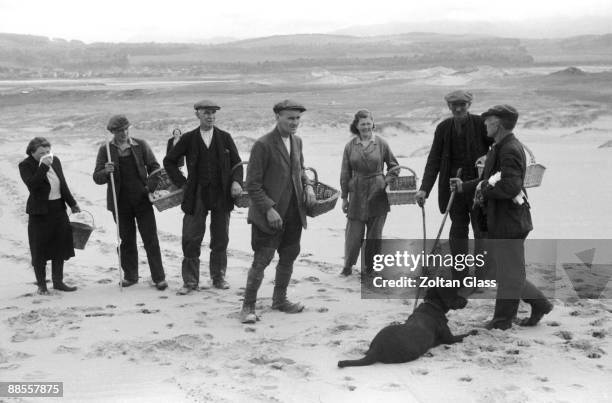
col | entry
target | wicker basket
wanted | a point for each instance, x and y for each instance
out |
(402, 189)
(534, 173)
(242, 201)
(166, 195)
(326, 197)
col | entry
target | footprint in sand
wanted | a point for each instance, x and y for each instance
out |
(553, 324)
(140, 304)
(321, 290)
(564, 334)
(465, 379)
(312, 279)
(149, 311)
(163, 297)
(542, 378)
(104, 281)
(322, 310)
(600, 334)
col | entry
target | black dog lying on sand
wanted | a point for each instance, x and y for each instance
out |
(427, 327)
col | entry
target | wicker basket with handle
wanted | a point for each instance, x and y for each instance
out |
(326, 197)
(165, 194)
(535, 171)
(402, 189)
(243, 200)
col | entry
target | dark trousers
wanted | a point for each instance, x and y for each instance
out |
(144, 216)
(512, 283)
(287, 242)
(461, 215)
(194, 228)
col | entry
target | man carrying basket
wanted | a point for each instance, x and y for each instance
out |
(131, 161)
(210, 186)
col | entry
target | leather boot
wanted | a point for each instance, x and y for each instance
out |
(347, 271)
(247, 314)
(218, 279)
(505, 311)
(40, 271)
(279, 297)
(57, 270)
(539, 308)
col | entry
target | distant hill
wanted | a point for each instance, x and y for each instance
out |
(26, 56)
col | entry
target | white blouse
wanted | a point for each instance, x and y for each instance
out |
(54, 181)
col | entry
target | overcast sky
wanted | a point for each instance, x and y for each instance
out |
(180, 20)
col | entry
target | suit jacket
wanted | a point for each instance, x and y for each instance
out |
(439, 159)
(505, 219)
(227, 155)
(145, 163)
(35, 178)
(270, 172)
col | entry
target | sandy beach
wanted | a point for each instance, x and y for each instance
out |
(143, 345)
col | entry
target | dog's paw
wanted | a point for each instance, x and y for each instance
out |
(473, 332)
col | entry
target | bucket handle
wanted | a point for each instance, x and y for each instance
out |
(93, 224)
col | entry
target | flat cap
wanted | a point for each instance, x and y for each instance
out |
(458, 96)
(502, 111)
(288, 104)
(206, 104)
(117, 122)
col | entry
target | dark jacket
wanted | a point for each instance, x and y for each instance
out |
(35, 178)
(269, 174)
(439, 159)
(145, 162)
(187, 146)
(504, 217)
(170, 146)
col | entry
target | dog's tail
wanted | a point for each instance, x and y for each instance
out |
(367, 360)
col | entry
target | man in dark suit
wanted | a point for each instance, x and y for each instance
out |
(210, 186)
(132, 160)
(503, 200)
(279, 192)
(458, 142)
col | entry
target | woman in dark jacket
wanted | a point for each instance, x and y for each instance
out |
(176, 136)
(49, 231)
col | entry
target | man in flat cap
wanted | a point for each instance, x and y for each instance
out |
(210, 187)
(279, 191)
(508, 219)
(458, 142)
(132, 160)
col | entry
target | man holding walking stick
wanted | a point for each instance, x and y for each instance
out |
(458, 142)
(123, 165)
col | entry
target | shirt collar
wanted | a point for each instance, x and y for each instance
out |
(359, 141)
(207, 131)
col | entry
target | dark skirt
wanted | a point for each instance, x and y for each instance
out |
(50, 235)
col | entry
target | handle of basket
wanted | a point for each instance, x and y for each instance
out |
(316, 176)
(398, 167)
(93, 223)
(239, 164)
(531, 156)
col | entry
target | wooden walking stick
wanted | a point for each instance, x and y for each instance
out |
(112, 178)
(435, 245)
